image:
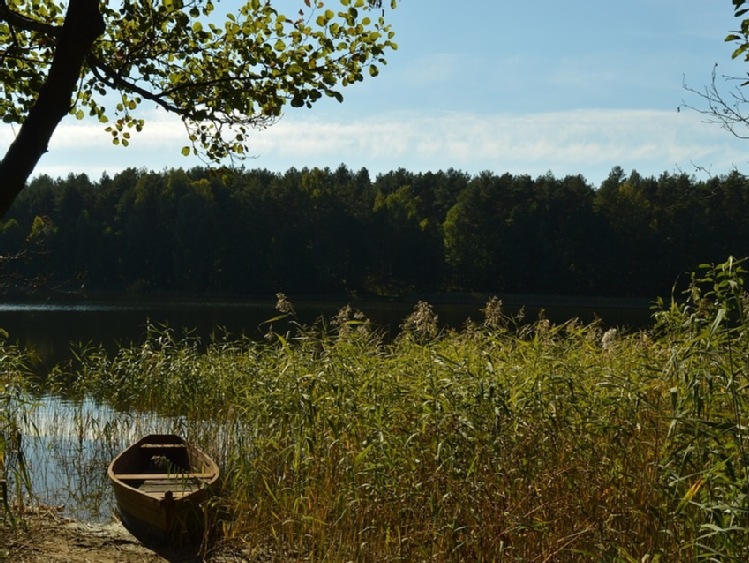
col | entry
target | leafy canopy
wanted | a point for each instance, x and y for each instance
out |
(222, 71)
(741, 36)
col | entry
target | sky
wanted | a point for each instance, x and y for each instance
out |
(574, 87)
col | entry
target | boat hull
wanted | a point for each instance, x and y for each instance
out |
(160, 485)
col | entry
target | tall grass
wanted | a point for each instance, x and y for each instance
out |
(505, 440)
(15, 406)
(706, 460)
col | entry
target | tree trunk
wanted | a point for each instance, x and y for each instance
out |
(83, 25)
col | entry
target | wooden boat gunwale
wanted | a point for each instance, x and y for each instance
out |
(159, 504)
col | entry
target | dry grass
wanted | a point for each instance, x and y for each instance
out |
(502, 441)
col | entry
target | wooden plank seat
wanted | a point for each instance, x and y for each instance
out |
(159, 446)
(160, 476)
(159, 494)
(160, 487)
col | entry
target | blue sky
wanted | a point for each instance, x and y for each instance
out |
(573, 87)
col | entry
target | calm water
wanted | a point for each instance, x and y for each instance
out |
(69, 444)
(49, 328)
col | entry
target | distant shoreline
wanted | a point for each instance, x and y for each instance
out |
(438, 298)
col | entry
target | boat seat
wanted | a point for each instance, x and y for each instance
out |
(159, 476)
(160, 446)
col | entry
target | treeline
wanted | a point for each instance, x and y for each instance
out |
(312, 231)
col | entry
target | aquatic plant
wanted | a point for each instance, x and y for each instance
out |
(706, 454)
(15, 405)
(510, 439)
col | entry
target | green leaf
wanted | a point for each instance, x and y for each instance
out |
(297, 101)
(266, 60)
(739, 51)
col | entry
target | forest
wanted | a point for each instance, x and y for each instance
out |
(238, 232)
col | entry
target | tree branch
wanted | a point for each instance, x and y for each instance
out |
(83, 25)
(109, 76)
(729, 113)
(25, 23)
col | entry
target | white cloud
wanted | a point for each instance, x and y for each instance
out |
(571, 142)
(587, 142)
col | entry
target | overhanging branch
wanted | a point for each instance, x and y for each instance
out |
(730, 112)
(83, 25)
(26, 23)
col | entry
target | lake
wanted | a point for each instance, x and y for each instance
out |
(49, 327)
(69, 444)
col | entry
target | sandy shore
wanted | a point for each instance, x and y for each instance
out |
(46, 537)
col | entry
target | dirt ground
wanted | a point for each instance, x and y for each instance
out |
(47, 537)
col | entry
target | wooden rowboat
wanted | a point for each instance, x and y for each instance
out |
(159, 484)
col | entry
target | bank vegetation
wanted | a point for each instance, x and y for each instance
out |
(511, 439)
(240, 233)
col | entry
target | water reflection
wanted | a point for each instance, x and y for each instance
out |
(68, 446)
(49, 328)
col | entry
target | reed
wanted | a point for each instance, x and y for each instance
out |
(15, 406)
(705, 463)
(504, 440)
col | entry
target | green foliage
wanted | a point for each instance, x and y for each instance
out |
(740, 7)
(222, 71)
(441, 445)
(707, 461)
(505, 440)
(15, 405)
(256, 232)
